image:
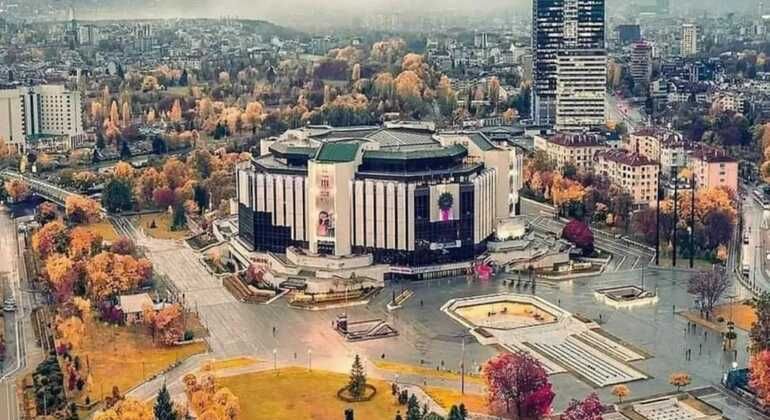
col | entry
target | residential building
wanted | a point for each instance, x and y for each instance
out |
(581, 89)
(659, 144)
(576, 148)
(689, 42)
(635, 173)
(713, 167)
(42, 110)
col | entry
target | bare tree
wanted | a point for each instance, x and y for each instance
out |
(708, 287)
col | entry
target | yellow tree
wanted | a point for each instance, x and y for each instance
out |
(355, 74)
(114, 116)
(124, 170)
(62, 274)
(49, 238)
(146, 184)
(83, 242)
(175, 173)
(126, 114)
(621, 391)
(127, 409)
(679, 380)
(71, 331)
(108, 274)
(81, 209)
(149, 83)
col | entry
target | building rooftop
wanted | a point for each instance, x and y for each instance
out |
(578, 139)
(711, 155)
(624, 157)
(337, 152)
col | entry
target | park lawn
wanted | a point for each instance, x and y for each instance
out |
(743, 314)
(125, 357)
(404, 369)
(295, 393)
(162, 228)
(104, 229)
(446, 398)
(235, 362)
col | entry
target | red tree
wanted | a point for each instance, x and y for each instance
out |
(163, 197)
(579, 234)
(759, 380)
(518, 381)
(588, 409)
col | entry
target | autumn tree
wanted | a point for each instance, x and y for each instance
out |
(679, 380)
(83, 242)
(759, 377)
(62, 274)
(109, 274)
(52, 237)
(70, 332)
(175, 114)
(124, 170)
(518, 381)
(123, 246)
(621, 391)
(760, 330)
(17, 190)
(127, 409)
(79, 209)
(588, 409)
(708, 287)
(579, 234)
(163, 197)
(46, 212)
(175, 173)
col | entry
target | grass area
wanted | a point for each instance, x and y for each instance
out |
(295, 393)
(407, 369)
(162, 228)
(446, 398)
(125, 357)
(103, 229)
(742, 314)
(235, 362)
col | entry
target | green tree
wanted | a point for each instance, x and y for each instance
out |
(357, 384)
(413, 409)
(455, 413)
(179, 219)
(163, 409)
(117, 196)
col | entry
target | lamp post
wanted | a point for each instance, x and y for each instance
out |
(692, 220)
(309, 360)
(462, 368)
(275, 360)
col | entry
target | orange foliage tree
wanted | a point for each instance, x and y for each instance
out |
(50, 238)
(759, 380)
(127, 409)
(83, 242)
(18, 190)
(108, 274)
(167, 324)
(81, 209)
(62, 274)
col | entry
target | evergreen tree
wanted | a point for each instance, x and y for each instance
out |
(463, 411)
(454, 414)
(125, 152)
(201, 197)
(117, 196)
(99, 140)
(357, 384)
(163, 409)
(183, 79)
(413, 409)
(349, 414)
(179, 218)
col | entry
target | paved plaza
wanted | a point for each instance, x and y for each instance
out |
(430, 338)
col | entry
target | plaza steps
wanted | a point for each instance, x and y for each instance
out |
(588, 363)
(612, 348)
(244, 292)
(550, 367)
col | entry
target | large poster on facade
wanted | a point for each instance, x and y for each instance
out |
(324, 204)
(444, 201)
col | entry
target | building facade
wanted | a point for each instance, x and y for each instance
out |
(578, 149)
(561, 27)
(408, 196)
(631, 171)
(689, 42)
(641, 62)
(43, 110)
(581, 89)
(713, 168)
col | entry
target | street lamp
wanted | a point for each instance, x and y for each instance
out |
(309, 360)
(275, 360)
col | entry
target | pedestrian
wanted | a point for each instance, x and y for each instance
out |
(421, 303)
(700, 349)
(273, 330)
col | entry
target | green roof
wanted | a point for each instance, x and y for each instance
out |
(337, 152)
(451, 151)
(482, 142)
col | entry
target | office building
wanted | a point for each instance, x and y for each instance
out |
(641, 63)
(43, 110)
(628, 33)
(561, 27)
(689, 42)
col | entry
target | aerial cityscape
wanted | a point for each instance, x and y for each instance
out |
(385, 210)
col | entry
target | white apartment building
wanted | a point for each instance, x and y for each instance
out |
(581, 89)
(43, 110)
(633, 172)
(689, 45)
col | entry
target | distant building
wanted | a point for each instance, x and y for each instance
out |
(658, 144)
(43, 110)
(641, 62)
(628, 34)
(689, 42)
(576, 148)
(631, 171)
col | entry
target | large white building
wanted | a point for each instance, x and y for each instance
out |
(581, 89)
(43, 110)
